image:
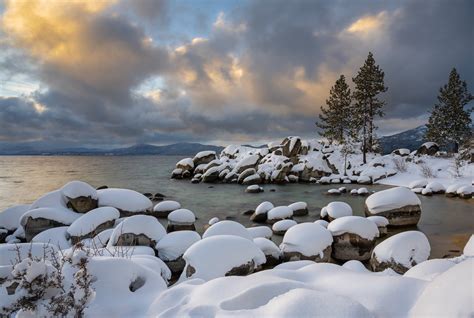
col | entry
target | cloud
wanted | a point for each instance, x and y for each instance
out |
(259, 71)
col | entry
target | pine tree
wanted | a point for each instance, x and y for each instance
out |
(334, 120)
(449, 123)
(369, 83)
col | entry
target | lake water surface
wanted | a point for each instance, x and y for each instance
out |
(448, 222)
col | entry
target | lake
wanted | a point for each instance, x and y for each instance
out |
(448, 222)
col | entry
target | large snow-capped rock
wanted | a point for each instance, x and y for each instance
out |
(227, 227)
(92, 223)
(137, 230)
(222, 255)
(399, 205)
(354, 238)
(401, 252)
(57, 236)
(81, 196)
(307, 241)
(128, 202)
(172, 247)
(10, 217)
(163, 208)
(335, 209)
(180, 220)
(279, 213)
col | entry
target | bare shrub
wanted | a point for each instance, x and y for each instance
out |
(427, 171)
(400, 164)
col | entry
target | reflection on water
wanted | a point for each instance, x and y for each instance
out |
(447, 222)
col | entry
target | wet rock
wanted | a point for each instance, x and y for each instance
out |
(428, 148)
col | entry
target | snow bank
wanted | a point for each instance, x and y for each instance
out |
(355, 225)
(10, 217)
(89, 222)
(449, 295)
(260, 231)
(124, 200)
(215, 256)
(391, 199)
(227, 227)
(407, 248)
(181, 216)
(469, 247)
(435, 187)
(429, 269)
(338, 209)
(138, 224)
(51, 199)
(308, 239)
(174, 244)
(76, 189)
(9, 252)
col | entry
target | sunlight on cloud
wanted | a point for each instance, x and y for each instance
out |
(368, 24)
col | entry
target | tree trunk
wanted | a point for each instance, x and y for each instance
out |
(364, 145)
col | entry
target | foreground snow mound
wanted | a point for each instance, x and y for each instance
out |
(307, 241)
(221, 255)
(401, 252)
(9, 253)
(429, 269)
(123, 287)
(56, 236)
(125, 200)
(227, 227)
(448, 295)
(312, 290)
(52, 199)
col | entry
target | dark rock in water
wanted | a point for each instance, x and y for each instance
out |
(148, 195)
(3, 235)
(102, 187)
(230, 217)
(272, 190)
(259, 218)
(160, 195)
(180, 227)
(157, 199)
(210, 187)
(408, 215)
(248, 212)
(82, 204)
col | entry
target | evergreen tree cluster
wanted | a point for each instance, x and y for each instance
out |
(449, 124)
(350, 116)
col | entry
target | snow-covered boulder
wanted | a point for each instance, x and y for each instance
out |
(365, 179)
(280, 227)
(451, 190)
(181, 220)
(399, 205)
(128, 202)
(428, 148)
(420, 183)
(162, 209)
(172, 247)
(291, 146)
(403, 152)
(57, 236)
(252, 179)
(260, 214)
(270, 249)
(334, 192)
(381, 223)
(307, 241)
(92, 223)
(279, 213)
(227, 227)
(137, 230)
(354, 238)
(435, 187)
(255, 188)
(222, 255)
(53, 199)
(299, 208)
(186, 164)
(247, 163)
(81, 197)
(100, 240)
(260, 231)
(401, 252)
(465, 192)
(211, 174)
(362, 191)
(336, 209)
(204, 157)
(38, 220)
(449, 295)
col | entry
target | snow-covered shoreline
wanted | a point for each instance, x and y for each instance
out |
(312, 161)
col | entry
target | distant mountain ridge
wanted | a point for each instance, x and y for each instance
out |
(411, 139)
(177, 149)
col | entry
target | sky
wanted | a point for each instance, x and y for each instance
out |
(106, 73)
